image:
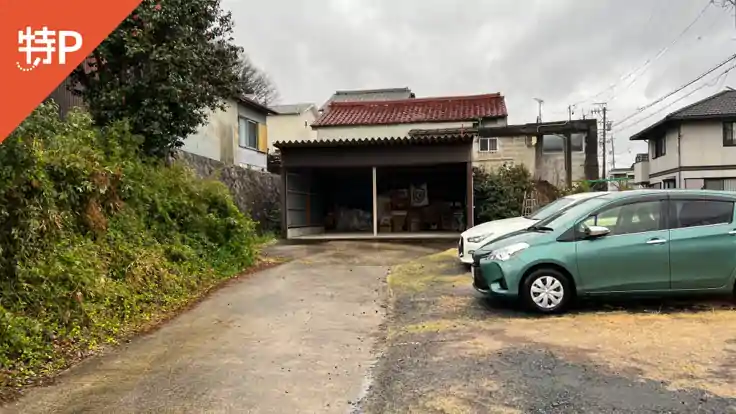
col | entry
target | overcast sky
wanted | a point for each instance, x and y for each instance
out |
(562, 51)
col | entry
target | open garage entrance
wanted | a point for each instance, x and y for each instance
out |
(421, 199)
(377, 189)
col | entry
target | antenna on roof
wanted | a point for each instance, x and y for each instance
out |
(540, 102)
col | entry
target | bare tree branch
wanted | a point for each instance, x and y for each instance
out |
(254, 81)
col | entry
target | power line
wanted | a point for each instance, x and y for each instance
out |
(705, 85)
(661, 53)
(662, 98)
(649, 61)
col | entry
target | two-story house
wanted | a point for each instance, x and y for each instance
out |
(236, 135)
(694, 147)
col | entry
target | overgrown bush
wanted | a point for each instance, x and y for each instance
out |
(500, 193)
(96, 239)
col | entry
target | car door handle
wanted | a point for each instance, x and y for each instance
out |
(732, 232)
(657, 241)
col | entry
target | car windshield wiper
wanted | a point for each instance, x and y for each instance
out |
(539, 228)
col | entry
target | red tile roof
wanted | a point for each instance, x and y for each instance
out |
(405, 111)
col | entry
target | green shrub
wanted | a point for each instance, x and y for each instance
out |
(500, 193)
(96, 239)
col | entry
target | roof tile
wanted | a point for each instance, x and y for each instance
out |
(404, 111)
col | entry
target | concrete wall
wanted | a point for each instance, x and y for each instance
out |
(552, 168)
(257, 194)
(511, 150)
(297, 127)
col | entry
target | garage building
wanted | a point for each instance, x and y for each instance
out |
(415, 186)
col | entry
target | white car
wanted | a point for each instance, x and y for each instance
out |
(475, 237)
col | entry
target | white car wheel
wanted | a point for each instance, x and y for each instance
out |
(547, 292)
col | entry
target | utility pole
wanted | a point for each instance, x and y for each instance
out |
(539, 102)
(613, 153)
(571, 110)
(602, 109)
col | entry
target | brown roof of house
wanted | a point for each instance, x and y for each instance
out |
(404, 111)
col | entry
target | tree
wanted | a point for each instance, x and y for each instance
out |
(162, 69)
(256, 82)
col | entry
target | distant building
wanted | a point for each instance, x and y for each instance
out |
(292, 123)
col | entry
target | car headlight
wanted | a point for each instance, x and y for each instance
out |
(476, 239)
(505, 253)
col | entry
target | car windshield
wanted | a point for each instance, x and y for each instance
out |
(551, 208)
(575, 210)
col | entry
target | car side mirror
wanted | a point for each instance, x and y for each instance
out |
(597, 231)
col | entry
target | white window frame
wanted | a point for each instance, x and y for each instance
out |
(489, 150)
(243, 136)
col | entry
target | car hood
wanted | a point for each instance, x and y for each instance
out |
(517, 237)
(499, 227)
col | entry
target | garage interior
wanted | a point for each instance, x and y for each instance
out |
(341, 199)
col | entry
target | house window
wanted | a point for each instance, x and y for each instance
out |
(488, 145)
(669, 183)
(720, 184)
(729, 135)
(247, 133)
(660, 147)
(556, 143)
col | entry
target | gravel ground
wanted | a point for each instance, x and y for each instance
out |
(450, 351)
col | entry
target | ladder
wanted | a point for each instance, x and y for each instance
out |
(530, 203)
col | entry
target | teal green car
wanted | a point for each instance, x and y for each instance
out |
(640, 242)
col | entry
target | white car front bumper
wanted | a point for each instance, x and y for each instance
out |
(465, 250)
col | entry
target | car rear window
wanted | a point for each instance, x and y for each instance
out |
(692, 213)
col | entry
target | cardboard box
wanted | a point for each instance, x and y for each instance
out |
(398, 219)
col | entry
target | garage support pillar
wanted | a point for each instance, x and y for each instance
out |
(375, 203)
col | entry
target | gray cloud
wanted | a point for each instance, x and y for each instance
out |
(562, 51)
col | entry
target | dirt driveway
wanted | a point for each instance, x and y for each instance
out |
(297, 338)
(449, 351)
(303, 338)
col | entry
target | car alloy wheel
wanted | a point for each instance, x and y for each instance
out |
(547, 292)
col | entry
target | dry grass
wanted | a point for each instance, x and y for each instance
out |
(419, 275)
(687, 349)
